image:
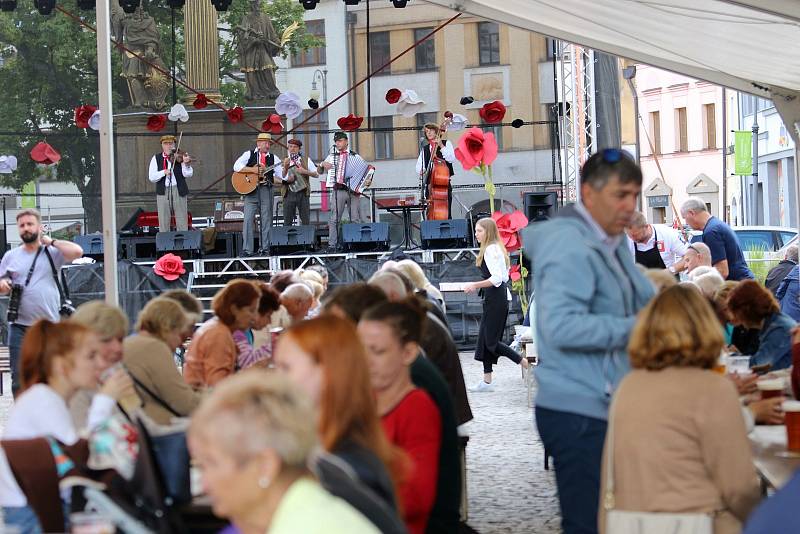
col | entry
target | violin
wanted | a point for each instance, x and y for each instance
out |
(181, 156)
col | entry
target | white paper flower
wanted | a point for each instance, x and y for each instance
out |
(458, 123)
(94, 120)
(409, 104)
(178, 113)
(8, 164)
(288, 104)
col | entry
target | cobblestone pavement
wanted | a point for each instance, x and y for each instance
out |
(508, 489)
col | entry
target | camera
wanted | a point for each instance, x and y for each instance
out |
(66, 309)
(14, 300)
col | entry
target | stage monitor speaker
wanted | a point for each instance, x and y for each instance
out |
(92, 245)
(364, 237)
(449, 233)
(540, 206)
(187, 244)
(290, 239)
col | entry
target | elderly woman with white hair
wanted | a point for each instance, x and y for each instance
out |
(417, 276)
(256, 471)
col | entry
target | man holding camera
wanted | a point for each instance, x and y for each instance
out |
(29, 273)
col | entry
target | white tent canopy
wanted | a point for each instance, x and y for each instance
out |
(748, 45)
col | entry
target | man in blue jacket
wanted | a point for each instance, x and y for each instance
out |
(588, 292)
(788, 294)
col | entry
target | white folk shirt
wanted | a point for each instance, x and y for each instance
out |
(448, 153)
(496, 263)
(155, 174)
(39, 412)
(245, 157)
(670, 245)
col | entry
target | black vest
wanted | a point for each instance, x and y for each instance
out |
(177, 172)
(270, 162)
(426, 160)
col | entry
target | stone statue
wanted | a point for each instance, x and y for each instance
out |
(138, 32)
(257, 43)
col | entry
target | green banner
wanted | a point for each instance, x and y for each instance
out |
(29, 195)
(743, 152)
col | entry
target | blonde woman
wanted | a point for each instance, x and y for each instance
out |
(494, 264)
(679, 439)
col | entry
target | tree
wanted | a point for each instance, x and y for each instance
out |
(50, 67)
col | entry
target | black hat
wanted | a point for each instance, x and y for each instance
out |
(517, 123)
(339, 135)
(313, 104)
(297, 142)
(467, 100)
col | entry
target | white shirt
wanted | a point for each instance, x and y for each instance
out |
(41, 412)
(155, 174)
(448, 153)
(669, 243)
(495, 261)
(245, 157)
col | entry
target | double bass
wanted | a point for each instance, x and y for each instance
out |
(439, 178)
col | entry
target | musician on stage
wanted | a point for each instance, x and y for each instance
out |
(261, 200)
(171, 188)
(445, 151)
(341, 164)
(296, 186)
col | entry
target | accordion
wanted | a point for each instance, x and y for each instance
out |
(356, 172)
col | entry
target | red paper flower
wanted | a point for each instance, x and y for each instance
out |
(44, 153)
(200, 101)
(169, 267)
(514, 273)
(83, 114)
(272, 124)
(235, 114)
(156, 123)
(393, 96)
(492, 112)
(476, 147)
(509, 225)
(350, 123)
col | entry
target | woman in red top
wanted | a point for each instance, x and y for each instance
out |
(391, 332)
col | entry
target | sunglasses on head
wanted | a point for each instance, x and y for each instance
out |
(612, 155)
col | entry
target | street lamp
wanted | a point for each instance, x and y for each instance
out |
(323, 75)
(629, 73)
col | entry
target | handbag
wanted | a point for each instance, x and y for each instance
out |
(632, 522)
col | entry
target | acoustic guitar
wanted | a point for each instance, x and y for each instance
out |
(246, 180)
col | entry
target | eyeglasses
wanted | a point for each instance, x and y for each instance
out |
(692, 247)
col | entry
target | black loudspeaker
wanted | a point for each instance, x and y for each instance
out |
(449, 233)
(187, 244)
(289, 239)
(92, 245)
(138, 247)
(224, 245)
(540, 206)
(362, 237)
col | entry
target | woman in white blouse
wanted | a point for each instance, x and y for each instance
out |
(494, 264)
(57, 360)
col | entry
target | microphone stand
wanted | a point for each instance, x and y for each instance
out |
(471, 217)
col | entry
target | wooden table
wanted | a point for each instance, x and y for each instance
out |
(770, 455)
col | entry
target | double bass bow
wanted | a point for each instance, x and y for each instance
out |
(438, 174)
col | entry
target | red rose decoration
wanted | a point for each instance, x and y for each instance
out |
(200, 101)
(44, 153)
(514, 273)
(476, 147)
(493, 112)
(83, 114)
(350, 123)
(509, 225)
(169, 267)
(272, 124)
(393, 96)
(156, 123)
(235, 114)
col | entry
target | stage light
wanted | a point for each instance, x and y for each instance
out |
(86, 4)
(308, 4)
(221, 5)
(45, 7)
(8, 5)
(351, 2)
(129, 6)
(176, 4)
(399, 3)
